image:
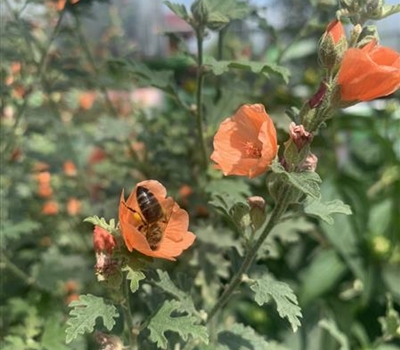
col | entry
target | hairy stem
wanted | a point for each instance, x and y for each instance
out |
(128, 314)
(199, 93)
(251, 253)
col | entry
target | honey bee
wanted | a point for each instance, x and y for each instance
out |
(151, 214)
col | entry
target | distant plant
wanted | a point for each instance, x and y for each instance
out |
(211, 248)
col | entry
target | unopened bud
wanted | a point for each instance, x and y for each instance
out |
(352, 6)
(310, 163)
(374, 8)
(355, 33)
(257, 211)
(332, 45)
(299, 135)
(200, 12)
(319, 96)
(368, 34)
(108, 341)
(105, 266)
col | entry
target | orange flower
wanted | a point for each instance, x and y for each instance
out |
(86, 99)
(69, 168)
(173, 223)
(44, 189)
(368, 73)
(245, 144)
(103, 240)
(50, 208)
(73, 206)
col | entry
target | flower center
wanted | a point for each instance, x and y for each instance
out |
(252, 150)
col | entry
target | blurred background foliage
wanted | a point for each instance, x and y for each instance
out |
(82, 119)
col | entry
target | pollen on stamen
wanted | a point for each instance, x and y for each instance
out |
(251, 150)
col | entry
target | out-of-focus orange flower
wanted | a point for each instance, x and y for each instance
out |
(71, 297)
(69, 168)
(41, 166)
(369, 72)
(71, 286)
(61, 4)
(103, 240)
(97, 156)
(245, 144)
(174, 224)
(9, 80)
(184, 192)
(18, 91)
(50, 208)
(73, 206)
(15, 67)
(44, 189)
(86, 99)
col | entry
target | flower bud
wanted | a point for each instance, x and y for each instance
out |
(351, 6)
(332, 45)
(257, 211)
(368, 34)
(200, 11)
(375, 8)
(310, 163)
(319, 96)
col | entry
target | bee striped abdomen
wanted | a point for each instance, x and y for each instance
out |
(148, 205)
(152, 213)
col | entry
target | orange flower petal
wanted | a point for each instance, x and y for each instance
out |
(176, 236)
(246, 143)
(368, 73)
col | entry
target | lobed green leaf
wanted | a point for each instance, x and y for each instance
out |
(306, 181)
(221, 67)
(323, 210)
(134, 276)
(331, 327)
(101, 222)
(239, 337)
(84, 314)
(185, 301)
(163, 321)
(267, 288)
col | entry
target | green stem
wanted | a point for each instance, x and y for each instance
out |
(279, 209)
(128, 314)
(6, 263)
(220, 48)
(199, 94)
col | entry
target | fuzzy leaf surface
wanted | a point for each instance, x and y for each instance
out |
(101, 222)
(134, 276)
(331, 327)
(221, 12)
(306, 181)
(221, 67)
(185, 300)
(178, 9)
(239, 336)
(163, 321)
(267, 288)
(323, 210)
(84, 314)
